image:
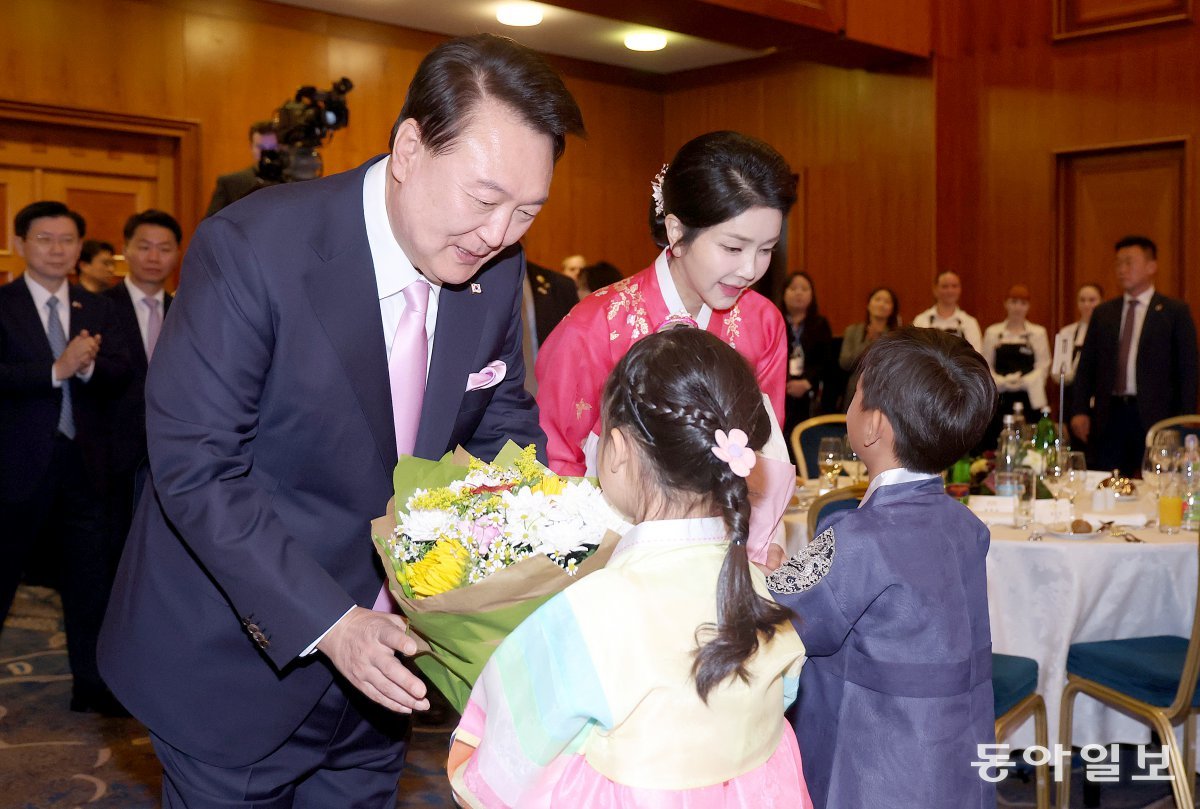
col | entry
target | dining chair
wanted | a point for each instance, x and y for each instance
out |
(1014, 691)
(1184, 425)
(1152, 678)
(806, 439)
(835, 500)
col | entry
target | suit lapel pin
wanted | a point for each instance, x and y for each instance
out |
(78, 305)
(1158, 308)
(476, 289)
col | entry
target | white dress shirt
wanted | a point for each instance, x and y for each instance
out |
(40, 296)
(393, 269)
(142, 311)
(959, 321)
(1139, 320)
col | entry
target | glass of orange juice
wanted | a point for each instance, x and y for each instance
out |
(1170, 506)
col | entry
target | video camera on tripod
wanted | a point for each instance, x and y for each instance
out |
(302, 124)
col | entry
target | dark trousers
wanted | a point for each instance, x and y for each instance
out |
(347, 753)
(1120, 442)
(65, 516)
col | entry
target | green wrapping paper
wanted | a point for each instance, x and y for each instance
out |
(457, 631)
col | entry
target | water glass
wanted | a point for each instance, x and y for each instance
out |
(1020, 484)
(1076, 476)
(851, 463)
(1158, 462)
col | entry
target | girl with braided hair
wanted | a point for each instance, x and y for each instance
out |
(661, 680)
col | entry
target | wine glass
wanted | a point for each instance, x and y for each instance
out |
(1056, 472)
(851, 462)
(830, 455)
(1157, 463)
(1076, 476)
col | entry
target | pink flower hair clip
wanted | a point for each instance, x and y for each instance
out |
(732, 450)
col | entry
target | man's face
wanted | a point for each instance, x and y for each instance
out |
(260, 141)
(572, 266)
(453, 212)
(99, 269)
(947, 289)
(50, 249)
(1135, 270)
(152, 253)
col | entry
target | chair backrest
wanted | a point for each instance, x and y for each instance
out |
(1191, 663)
(836, 500)
(1184, 425)
(806, 439)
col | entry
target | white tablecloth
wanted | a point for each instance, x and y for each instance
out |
(1044, 596)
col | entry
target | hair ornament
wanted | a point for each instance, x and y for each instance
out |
(656, 190)
(676, 321)
(732, 450)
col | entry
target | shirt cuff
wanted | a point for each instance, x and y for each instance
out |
(86, 374)
(54, 380)
(312, 647)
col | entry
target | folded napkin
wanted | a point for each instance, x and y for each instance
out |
(1131, 519)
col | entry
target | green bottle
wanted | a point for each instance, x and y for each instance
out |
(1046, 434)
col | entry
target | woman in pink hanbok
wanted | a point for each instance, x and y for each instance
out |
(717, 210)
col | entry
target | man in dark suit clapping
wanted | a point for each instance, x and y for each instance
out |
(152, 250)
(60, 362)
(1138, 364)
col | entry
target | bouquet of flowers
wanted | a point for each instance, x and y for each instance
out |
(472, 548)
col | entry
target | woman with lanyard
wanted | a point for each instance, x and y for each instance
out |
(810, 343)
(717, 210)
(1018, 353)
(1069, 341)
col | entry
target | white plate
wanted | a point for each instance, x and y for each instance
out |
(1069, 535)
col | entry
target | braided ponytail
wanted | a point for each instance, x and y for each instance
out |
(674, 390)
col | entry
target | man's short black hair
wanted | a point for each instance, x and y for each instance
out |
(152, 216)
(936, 391)
(93, 248)
(45, 209)
(1148, 246)
(457, 75)
(261, 128)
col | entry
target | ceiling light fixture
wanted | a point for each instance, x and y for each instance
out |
(521, 15)
(646, 41)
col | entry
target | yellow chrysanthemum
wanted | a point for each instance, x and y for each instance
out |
(442, 569)
(550, 485)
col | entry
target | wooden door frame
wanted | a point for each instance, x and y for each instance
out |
(184, 133)
(1059, 248)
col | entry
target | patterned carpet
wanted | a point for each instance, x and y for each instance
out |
(51, 758)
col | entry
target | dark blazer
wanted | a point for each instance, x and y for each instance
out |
(127, 415)
(890, 600)
(29, 402)
(817, 342)
(553, 296)
(1166, 362)
(272, 447)
(232, 187)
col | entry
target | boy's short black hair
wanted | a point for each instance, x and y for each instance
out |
(936, 391)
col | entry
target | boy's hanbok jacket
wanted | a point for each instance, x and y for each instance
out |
(891, 603)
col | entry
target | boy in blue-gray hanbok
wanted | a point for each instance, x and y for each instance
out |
(891, 599)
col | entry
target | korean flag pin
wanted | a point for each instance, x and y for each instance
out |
(476, 289)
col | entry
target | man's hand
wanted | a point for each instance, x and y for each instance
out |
(363, 646)
(78, 355)
(798, 387)
(1081, 426)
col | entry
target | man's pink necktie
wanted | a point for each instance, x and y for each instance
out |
(407, 369)
(153, 324)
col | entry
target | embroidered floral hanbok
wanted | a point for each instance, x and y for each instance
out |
(579, 354)
(590, 702)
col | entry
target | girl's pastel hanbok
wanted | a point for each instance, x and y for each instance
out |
(591, 702)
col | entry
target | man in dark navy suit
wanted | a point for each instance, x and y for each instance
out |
(60, 363)
(310, 319)
(1137, 366)
(141, 303)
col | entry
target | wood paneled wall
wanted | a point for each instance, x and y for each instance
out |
(864, 143)
(227, 63)
(1008, 99)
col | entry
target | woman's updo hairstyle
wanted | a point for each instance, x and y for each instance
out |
(670, 394)
(717, 176)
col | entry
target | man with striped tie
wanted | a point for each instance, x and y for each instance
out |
(60, 363)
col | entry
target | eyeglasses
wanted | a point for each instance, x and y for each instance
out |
(46, 241)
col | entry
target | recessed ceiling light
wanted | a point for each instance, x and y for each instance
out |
(646, 41)
(522, 15)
